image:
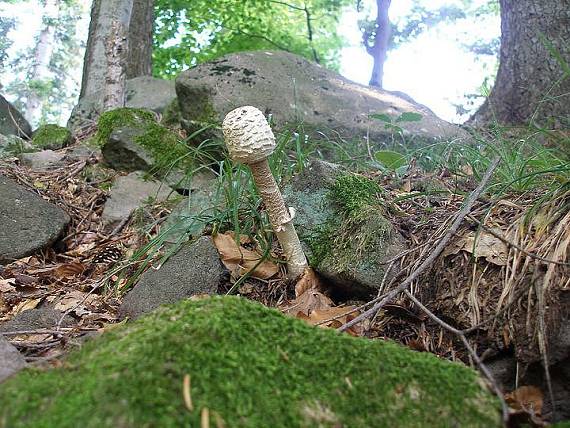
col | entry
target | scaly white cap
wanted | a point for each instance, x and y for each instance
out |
(247, 134)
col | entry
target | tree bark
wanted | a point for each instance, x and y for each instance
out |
(379, 48)
(116, 51)
(139, 60)
(42, 57)
(531, 86)
(103, 12)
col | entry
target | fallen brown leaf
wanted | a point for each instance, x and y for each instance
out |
(526, 398)
(240, 260)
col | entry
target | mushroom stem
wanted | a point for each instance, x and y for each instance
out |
(280, 218)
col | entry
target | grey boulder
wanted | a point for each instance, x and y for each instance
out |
(142, 92)
(11, 145)
(27, 222)
(11, 361)
(294, 90)
(12, 122)
(195, 269)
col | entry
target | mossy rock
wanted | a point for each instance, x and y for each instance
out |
(132, 140)
(250, 366)
(341, 220)
(52, 137)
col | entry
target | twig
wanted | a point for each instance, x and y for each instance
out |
(436, 252)
(38, 331)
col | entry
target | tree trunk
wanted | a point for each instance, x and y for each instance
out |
(379, 48)
(103, 12)
(531, 85)
(42, 57)
(116, 51)
(139, 61)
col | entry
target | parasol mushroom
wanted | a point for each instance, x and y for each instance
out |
(250, 141)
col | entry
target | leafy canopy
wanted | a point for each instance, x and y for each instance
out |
(187, 33)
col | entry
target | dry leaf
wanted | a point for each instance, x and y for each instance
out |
(75, 301)
(69, 270)
(81, 249)
(309, 280)
(526, 398)
(240, 260)
(481, 244)
(7, 285)
(25, 305)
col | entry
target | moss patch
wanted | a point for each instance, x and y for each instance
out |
(163, 145)
(52, 137)
(359, 225)
(251, 367)
(121, 117)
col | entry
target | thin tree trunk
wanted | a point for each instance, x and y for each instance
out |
(139, 37)
(139, 61)
(531, 84)
(116, 51)
(379, 48)
(42, 57)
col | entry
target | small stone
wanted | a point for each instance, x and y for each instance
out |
(189, 217)
(82, 153)
(42, 161)
(11, 361)
(36, 319)
(356, 272)
(12, 145)
(129, 193)
(195, 269)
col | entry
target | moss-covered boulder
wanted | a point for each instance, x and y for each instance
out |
(249, 366)
(341, 220)
(132, 140)
(52, 137)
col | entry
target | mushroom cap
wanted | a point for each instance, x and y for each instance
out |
(248, 136)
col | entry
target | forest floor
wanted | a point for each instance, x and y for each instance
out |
(504, 265)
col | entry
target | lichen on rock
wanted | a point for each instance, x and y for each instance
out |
(250, 366)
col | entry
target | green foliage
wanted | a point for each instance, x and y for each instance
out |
(250, 366)
(189, 33)
(391, 160)
(57, 91)
(392, 124)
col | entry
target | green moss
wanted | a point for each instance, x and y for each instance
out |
(172, 115)
(354, 192)
(52, 137)
(359, 225)
(252, 367)
(121, 117)
(163, 145)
